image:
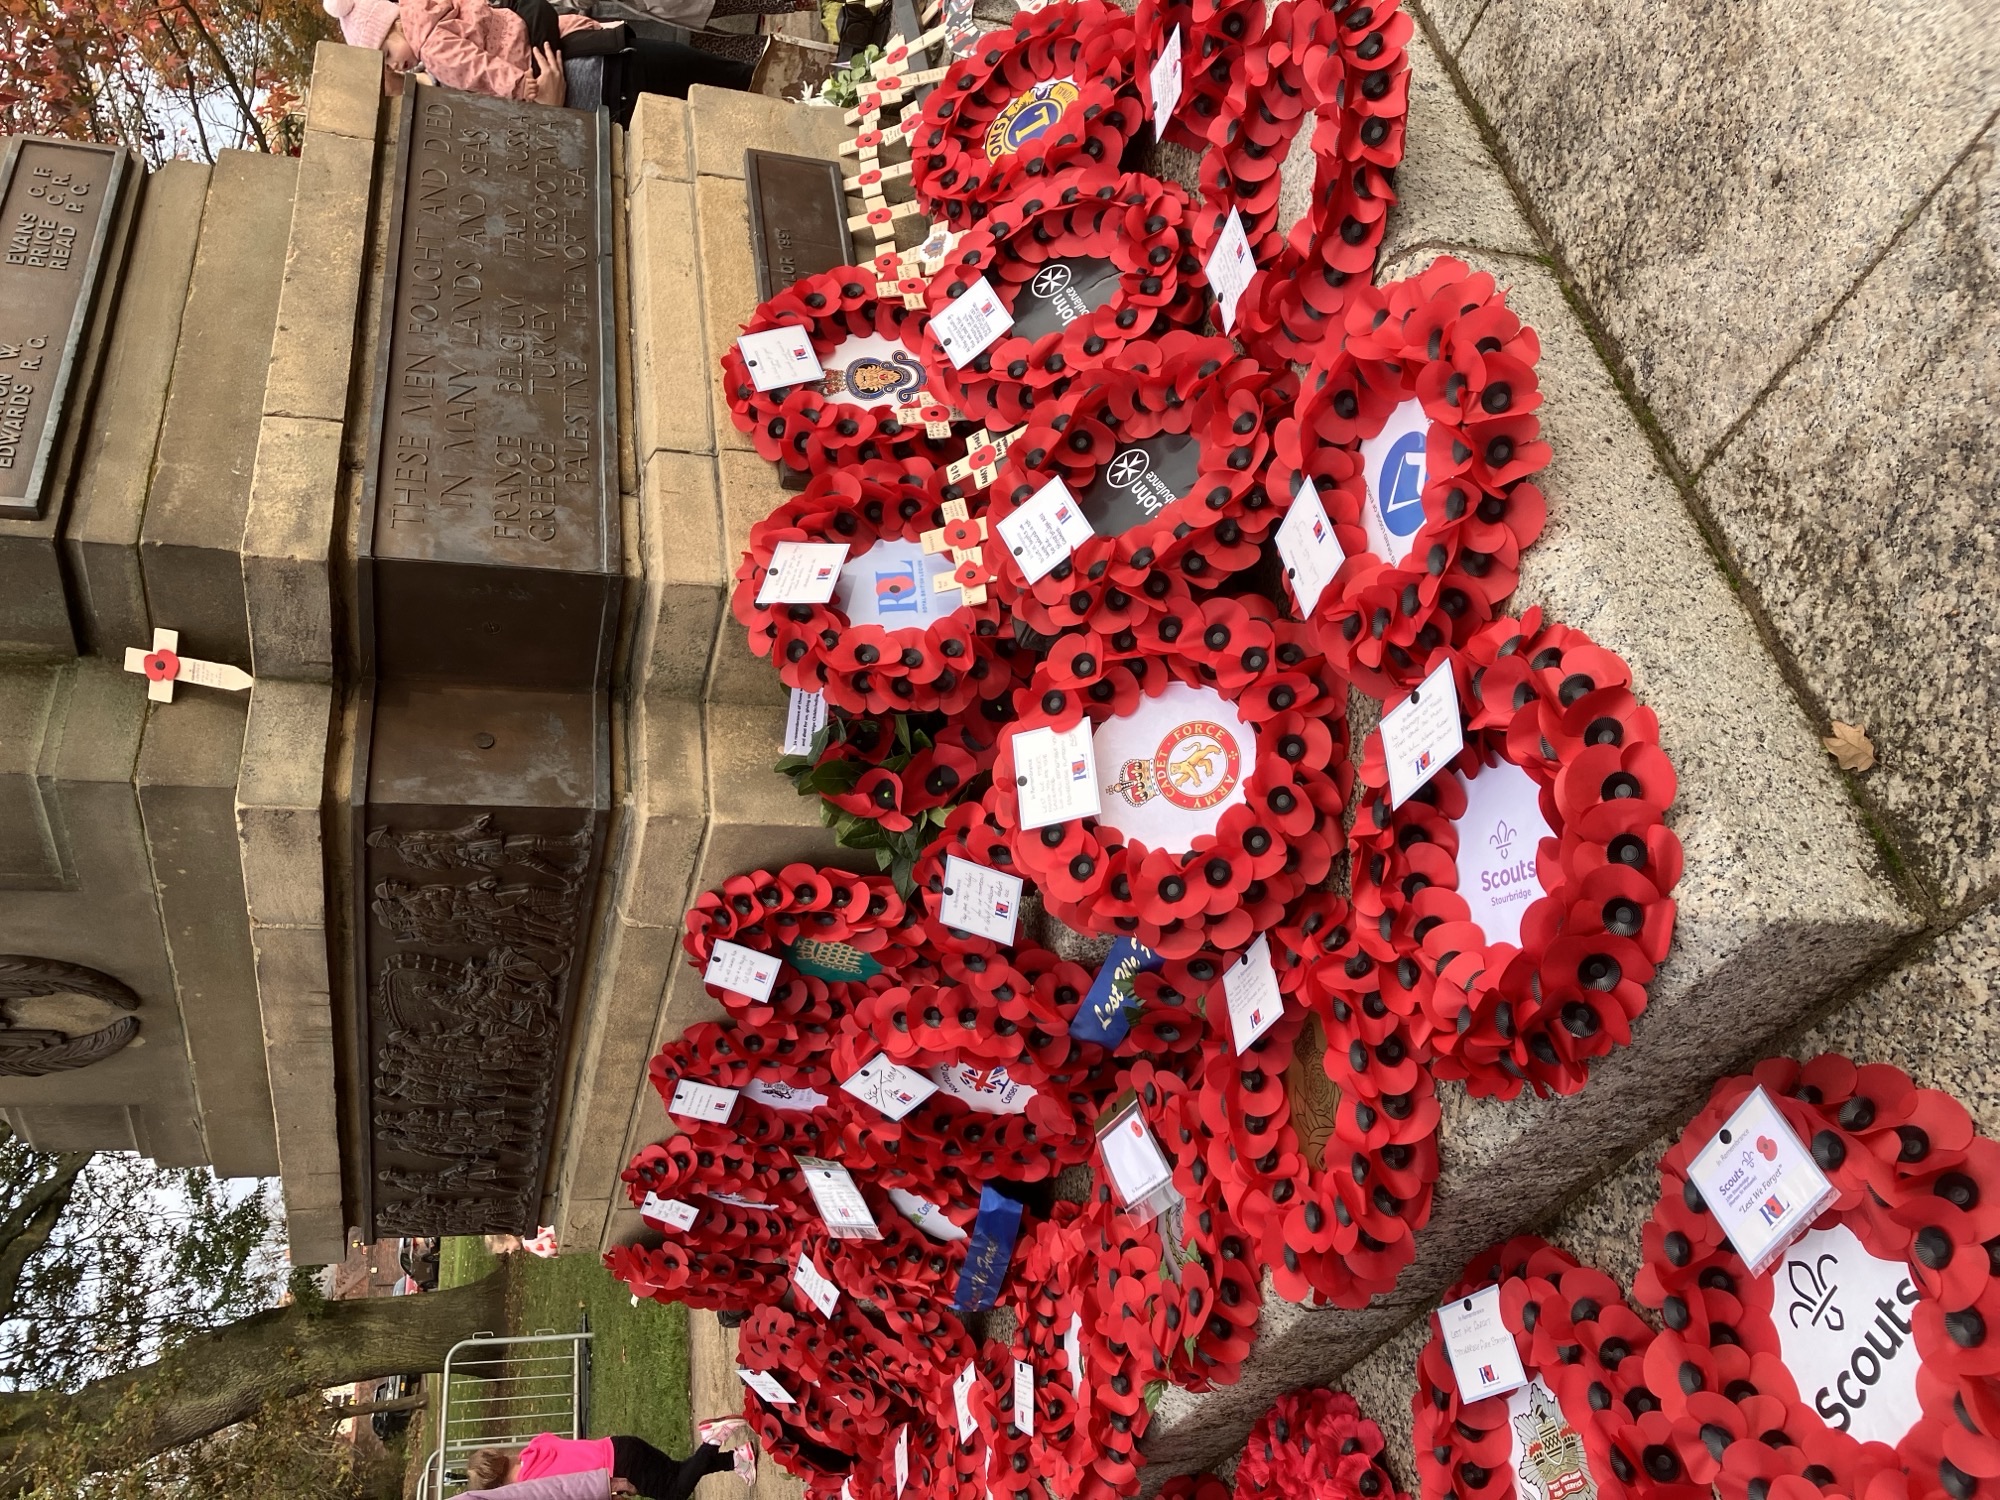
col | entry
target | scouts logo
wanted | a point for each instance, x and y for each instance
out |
(898, 377)
(1196, 765)
(1399, 486)
(1552, 1464)
(1503, 837)
(1814, 1289)
(896, 591)
(1028, 116)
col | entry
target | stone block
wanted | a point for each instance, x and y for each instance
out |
(33, 700)
(345, 97)
(1782, 903)
(1714, 198)
(200, 492)
(284, 746)
(728, 285)
(99, 736)
(115, 464)
(670, 356)
(724, 123)
(670, 815)
(749, 490)
(287, 588)
(656, 142)
(756, 820)
(1857, 500)
(312, 350)
(687, 572)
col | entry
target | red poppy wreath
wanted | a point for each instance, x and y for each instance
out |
(1163, 459)
(872, 349)
(1516, 906)
(1314, 1444)
(1419, 436)
(1086, 264)
(890, 639)
(1354, 76)
(1221, 772)
(1585, 1424)
(1867, 1359)
(1324, 1130)
(1051, 93)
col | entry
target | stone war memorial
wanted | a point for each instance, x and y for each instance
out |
(1166, 748)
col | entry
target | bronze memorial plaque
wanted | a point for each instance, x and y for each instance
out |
(488, 574)
(798, 218)
(57, 202)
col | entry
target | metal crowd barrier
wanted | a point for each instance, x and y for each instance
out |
(499, 1392)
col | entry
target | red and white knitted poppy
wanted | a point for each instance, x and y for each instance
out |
(873, 351)
(1516, 906)
(1051, 93)
(1165, 456)
(890, 640)
(1222, 773)
(1584, 1424)
(1086, 264)
(1419, 435)
(1867, 1360)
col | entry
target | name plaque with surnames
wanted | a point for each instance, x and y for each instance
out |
(57, 214)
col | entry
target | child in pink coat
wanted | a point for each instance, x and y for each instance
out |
(636, 1466)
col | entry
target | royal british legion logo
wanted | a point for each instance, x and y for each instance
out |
(1076, 770)
(1486, 1374)
(1772, 1208)
(896, 591)
(1423, 762)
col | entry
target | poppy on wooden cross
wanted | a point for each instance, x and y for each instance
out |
(163, 666)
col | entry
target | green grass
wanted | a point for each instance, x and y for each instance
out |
(639, 1357)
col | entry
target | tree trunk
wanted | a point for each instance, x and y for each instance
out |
(220, 1378)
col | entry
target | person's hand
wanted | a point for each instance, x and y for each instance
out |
(622, 1487)
(550, 86)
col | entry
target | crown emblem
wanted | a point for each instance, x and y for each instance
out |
(1135, 783)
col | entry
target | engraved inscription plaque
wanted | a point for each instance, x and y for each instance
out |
(492, 502)
(798, 217)
(57, 213)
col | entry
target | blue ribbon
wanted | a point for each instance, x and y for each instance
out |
(1101, 1018)
(990, 1252)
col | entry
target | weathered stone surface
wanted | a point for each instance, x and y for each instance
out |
(346, 94)
(728, 287)
(1858, 499)
(109, 500)
(724, 123)
(208, 438)
(670, 356)
(1725, 173)
(287, 589)
(685, 589)
(31, 706)
(656, 142)
(312, 347)
(749, 490)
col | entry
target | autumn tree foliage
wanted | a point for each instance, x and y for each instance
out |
(165, 78)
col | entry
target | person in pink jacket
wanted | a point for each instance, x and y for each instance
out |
(483, 48)
(635, 1465)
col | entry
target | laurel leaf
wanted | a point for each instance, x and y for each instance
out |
(1850, 747)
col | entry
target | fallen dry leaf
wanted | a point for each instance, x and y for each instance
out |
(1850, 747)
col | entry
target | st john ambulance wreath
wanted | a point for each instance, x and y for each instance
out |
(872, 349)
(1221, 771)
(1584, 1425)
(1516, 906)
(1086, 263)
(1432, 396)
(1050, 93)
(1165, 457)
(1355, 80)
(890, 640)
(1867, 1359)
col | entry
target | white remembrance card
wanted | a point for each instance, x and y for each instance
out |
(804, 719)
(1056, 775)
(1046, 530)
(1132, 1156)
(1073, 1352)
(1024, 1398)
(1252, 987)
(765, 1386)
(1230, 268)
(838, 1200)
(670, 1211)
(1307, 547)
(1422, 734)
(1759, 1181)
(979, 900)
(741, 971)
(961, 1391)
(822, 1292)
(968, 324)
(702, 1101)
(779, 357)
(803, 573)
(1484, 1360)
(902, 1458)
(889, 1086)
(926, 1215)
(1166, 84)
